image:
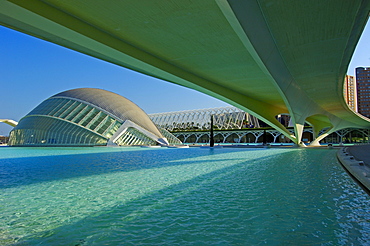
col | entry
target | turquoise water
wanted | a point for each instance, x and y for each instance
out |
(195, 196)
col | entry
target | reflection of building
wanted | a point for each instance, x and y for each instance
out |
(350, 92)
(363, 90)
(86, 117)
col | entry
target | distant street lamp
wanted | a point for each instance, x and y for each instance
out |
(211, 139)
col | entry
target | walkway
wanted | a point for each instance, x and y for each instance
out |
(356, 159)
(360, 152)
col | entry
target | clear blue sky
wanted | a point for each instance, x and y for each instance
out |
(32, 70)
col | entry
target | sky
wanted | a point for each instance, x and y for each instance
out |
(31, 70)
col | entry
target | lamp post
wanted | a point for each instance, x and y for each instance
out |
(211, 139)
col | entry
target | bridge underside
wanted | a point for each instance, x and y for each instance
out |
(265, 57)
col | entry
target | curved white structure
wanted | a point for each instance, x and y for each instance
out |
(86, 117)
(12, 123)
(223, 117)
(264, 57)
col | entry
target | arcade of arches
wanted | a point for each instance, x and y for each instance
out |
(270, 135)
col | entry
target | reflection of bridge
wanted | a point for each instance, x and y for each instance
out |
(264, 57)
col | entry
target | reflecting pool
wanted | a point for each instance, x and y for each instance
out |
(195, 196)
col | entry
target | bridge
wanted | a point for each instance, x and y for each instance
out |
(12, 123)
(265, 57)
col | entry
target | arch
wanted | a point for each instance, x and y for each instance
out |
(232, 138)
(218, 137)
(12, 123)
(204, 138)
(181, 138)
(191, 138)
(321, 127)
(275, 134)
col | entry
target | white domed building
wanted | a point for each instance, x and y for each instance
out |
(88, 117)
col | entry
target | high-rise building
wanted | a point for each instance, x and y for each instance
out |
(350, 92)
(363, 90)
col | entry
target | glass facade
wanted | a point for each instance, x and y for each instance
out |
(61, 121)
(66, 120)
(45, 131)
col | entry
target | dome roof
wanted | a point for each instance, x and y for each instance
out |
(116, 105)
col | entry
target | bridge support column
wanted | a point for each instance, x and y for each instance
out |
(316, 141)
(298, 128)
(316, 137)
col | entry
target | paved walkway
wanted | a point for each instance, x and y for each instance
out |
(356, 159)
(360, 152)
